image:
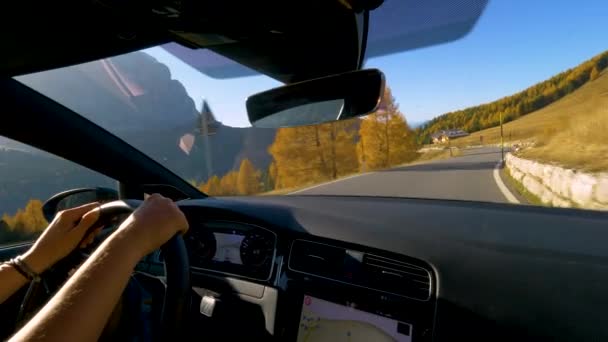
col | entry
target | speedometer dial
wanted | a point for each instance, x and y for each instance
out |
(256, 249)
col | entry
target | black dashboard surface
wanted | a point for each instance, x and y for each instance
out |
(502, 271)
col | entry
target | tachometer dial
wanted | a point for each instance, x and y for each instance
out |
(201, 246)
(256, 249)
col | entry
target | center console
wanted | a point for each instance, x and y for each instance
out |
(325, 320)
(341, 294)
(305, 290)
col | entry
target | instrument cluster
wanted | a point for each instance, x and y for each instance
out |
(232, 248)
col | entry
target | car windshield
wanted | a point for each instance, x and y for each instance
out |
(528, 85)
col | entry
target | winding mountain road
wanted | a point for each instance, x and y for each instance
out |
(470, 176)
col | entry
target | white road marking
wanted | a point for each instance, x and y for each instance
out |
(502, 187)
(330, 182)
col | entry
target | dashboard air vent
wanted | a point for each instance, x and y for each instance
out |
(360, 269)
(317, 259)
(396, 277)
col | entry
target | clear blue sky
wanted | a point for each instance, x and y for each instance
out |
(515, 44)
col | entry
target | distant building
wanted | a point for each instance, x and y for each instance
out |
(447, 134)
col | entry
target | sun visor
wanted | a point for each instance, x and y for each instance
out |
(404, 25)
(208, 62)
(395, 26)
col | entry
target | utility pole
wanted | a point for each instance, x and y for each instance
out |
(502, 146)
(363, 162)
(450, 146)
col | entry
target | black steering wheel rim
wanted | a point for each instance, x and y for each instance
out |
(177, 272)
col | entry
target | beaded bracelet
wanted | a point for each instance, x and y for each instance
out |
(24, 269)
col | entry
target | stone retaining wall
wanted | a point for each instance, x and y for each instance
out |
(558, 186)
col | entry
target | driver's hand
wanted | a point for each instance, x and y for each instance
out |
(152, 224)
(62, 236)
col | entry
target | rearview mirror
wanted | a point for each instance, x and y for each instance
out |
(75, 198)
(332, 98)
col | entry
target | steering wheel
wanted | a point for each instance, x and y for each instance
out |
(177, 271)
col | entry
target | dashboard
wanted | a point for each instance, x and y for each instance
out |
(307, 268)
(324, 289)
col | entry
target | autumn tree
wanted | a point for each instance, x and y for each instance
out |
(339, 145)
(295, 154)
(6, 233)
(265, 181)
(204, 187)
(248, 181)
(228, 184)
(385, 139)
(9, 235)
(33, 218)
(212, 186)
(273, 180)
(310, 154)
(9, 220)
(25, 224)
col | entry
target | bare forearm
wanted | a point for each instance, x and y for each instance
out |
(11, 282)
(62, 235)
(79, 311)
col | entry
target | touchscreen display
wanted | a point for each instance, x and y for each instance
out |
(326, 321)
(228, 248)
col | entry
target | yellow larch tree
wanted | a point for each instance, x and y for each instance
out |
(311, 154)
(385, 139)
(212, 186)
(248, 181)
(228, 184)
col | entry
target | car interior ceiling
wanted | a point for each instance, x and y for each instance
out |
(283, 47)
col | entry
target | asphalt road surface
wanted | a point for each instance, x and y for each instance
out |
(466, 177)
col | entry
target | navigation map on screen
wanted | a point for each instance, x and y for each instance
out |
(326, 321)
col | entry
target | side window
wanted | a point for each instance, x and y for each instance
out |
(28, 177)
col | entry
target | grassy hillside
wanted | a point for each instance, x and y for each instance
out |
(512, 107)
(570, 132)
